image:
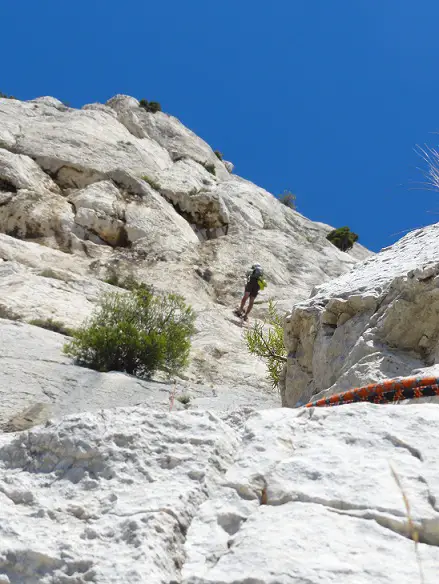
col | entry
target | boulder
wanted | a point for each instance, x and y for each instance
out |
(378, 321)
(18, 171)
(166, 130)
(78, 147)
(45, 217)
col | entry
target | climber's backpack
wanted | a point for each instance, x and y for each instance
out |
(258, 274)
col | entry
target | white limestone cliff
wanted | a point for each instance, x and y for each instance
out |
(378, 321)
(112, 191)
(99, 481)
(131, 495)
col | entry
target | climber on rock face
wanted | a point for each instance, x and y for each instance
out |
(255, 283)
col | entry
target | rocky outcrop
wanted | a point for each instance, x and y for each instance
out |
(378, 321)
(133, 496)
(126, 486)
(112, 191)
(167, 131)
(182, 481)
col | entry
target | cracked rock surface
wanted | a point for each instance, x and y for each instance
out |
(378, 321)
(106, 498)
(131, 495)
(310, 498)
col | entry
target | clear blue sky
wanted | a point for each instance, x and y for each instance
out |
(326, 98)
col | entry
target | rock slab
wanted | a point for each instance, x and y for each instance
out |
(131, 495)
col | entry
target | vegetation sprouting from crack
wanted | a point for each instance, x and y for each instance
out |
(266, 340)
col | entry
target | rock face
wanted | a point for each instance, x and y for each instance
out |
(114, 487)
(378, 321)
(112, 191)
(138, 496)
(123, 490)
(35, 372)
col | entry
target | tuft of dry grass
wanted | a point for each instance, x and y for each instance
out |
(431, 157)
(184, 399)
(413, 532)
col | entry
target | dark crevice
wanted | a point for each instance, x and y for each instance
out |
(126, 192)
(329, 329)
(392, 519)
(420, 529)
(29, 233)
(7, 186)
(121, 241)
(68, 176)
(401, 444)
(204, 231)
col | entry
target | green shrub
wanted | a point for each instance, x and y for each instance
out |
(266, 340)
(136, 332)
(52, 325)
(343, 238)
(288, 199)
(218, 154)
(210, 167)
(154, 107)
(152, 183)
(4, 96)
(150, 106)
(128, 283)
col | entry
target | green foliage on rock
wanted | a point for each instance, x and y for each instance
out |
(137, 332)
(150, 106)
(218, 154)
(343, 238)
(210, 167)
(266, 340)
(288, 199)
(52, 325)
(152, 183)
(127, 283)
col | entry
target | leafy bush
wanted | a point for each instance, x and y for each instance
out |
(3, 95)
(288, 199)
(150, 106)
(343, 238)
(154, 107)
(210, 167)
(52, 325)
(218, 154)
(266, 340)
(136, 332)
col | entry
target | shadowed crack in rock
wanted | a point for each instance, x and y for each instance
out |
(401, 444)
